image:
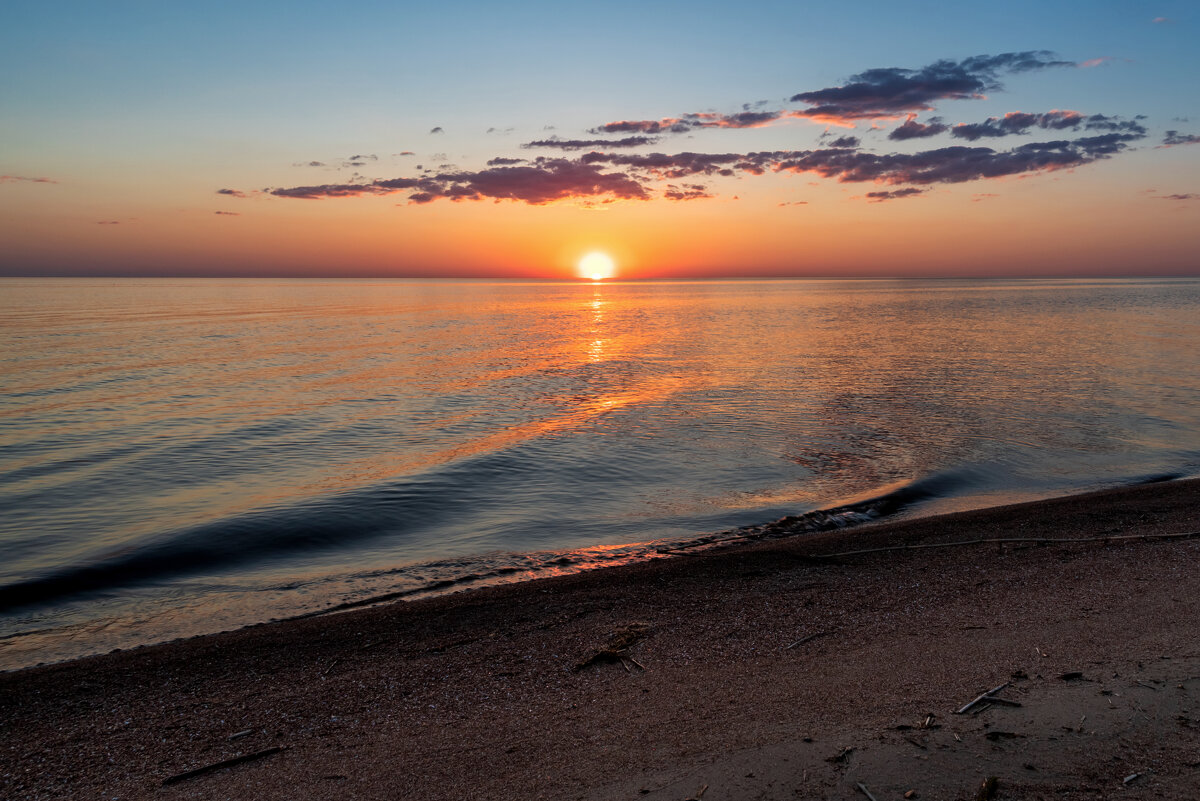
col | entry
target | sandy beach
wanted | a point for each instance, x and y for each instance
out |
(770, 671)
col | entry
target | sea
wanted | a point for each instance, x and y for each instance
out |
(186, 456)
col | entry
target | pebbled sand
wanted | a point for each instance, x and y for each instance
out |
(475, 696)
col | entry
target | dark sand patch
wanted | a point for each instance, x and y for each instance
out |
(478, 696)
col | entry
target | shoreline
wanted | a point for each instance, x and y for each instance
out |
(893, 503)
(736, 656)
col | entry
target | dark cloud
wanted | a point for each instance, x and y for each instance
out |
(437, 130)
(893, 194)
(942, 165)
(1102, 122)
(1176, 138)
(686, 192)
(4, 179)
(500, 130)
(1017, 122)
(911, 129)
(227, 213)
(108, 222)
(544, 182)
(794, 203)
(231, 192)
(884, 93)
(1187, 196)
(607, 176)
(954, 164)
(678, 165)
(316, 164)
(845, 141)
(583, 144)
(371, 157)
(404, 153)
(702, 119)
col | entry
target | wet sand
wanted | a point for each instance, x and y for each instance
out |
(764, 671)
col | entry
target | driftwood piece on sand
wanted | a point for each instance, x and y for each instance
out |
(803, 640)
(865, 791)
(980, 698)
(224, 763)
(617, 647)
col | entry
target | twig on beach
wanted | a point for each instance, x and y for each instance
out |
(331, 666)
(224, 763)
(239, 735)
(617, 647)
(699, 794)
(803, 640)
(1147, 686)
(1130, 777)
(1034, 540)
(980, 698)
(865, 791)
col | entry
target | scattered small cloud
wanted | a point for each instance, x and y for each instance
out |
(404, 153)
(437, 130)
(893, 194)
(228, 213)
(845, 141)
(1094, 62)
(794, 203)
(1162, 20)
(108, 222)
(500, 130)
(583, 144)
(231, 192)
(978, 196)
(504, 161)
(1184, 196)
(5, 179)
(1174, 138)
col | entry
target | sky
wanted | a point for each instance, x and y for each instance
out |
(681, 139)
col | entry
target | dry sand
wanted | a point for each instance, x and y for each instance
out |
(760, 672)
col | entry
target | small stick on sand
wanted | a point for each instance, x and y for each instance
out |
(865, 791)
(803, 640)
(981, 697)
(224, 763)
(1147, 686)
(331, 666)
(1130, 777)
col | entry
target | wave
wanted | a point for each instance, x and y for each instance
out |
(352, 519)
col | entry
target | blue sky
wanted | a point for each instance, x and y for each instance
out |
(133, 106)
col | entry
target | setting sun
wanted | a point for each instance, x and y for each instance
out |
(597, 266)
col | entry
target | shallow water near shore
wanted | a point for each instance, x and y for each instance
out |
(186, 456)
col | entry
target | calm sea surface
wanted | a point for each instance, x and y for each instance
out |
(188, 456)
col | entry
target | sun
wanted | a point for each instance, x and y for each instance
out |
(597, 266)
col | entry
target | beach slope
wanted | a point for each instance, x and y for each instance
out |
(768, 671)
